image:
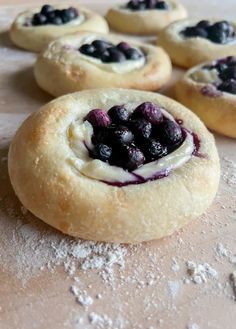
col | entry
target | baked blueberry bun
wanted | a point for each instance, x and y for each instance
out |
(192, 41)
(144, 17)
(35, 28)
(210, 91)
(91, 60)
(114, 165)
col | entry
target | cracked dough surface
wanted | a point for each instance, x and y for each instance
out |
(62, 69)
(187, 52)
(47, 184)
(36, 38)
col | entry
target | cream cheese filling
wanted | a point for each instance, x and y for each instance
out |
(79, 137)
(123, 67)
(205, 76)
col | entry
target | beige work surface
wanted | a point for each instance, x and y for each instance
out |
(153, 288)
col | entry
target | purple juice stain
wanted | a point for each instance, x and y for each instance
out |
(210, 91)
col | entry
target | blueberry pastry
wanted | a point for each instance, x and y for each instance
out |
(35, 28)
(144, 17)
(192, 41)
(114, 165)
(210, 91)
(90, 60)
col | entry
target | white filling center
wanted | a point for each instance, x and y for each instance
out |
(205, 76)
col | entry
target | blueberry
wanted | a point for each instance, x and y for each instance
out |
(72, 13)
(87, 49)
(136, 5)
(98, 118)
(39, 19)
(101, 45)
(150, 4)
(50, 16)
(216, 35)
(149, 111)
(119, 135)
(153, 150)
(141, 128)
(132, 54)
(56, 20)
(190, 32)
(102, 152)
(161, 5)
(64, 16)
(228, 73)
(123, 46)
(170, 133)
(118, 114)
(46, 9)
(201, 32)
(129, 158)
(203, 24)
(228, 86)
(115, 56)
(220, 67)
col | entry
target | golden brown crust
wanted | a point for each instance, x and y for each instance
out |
(54, 191)
(60, 70)
(36, 38)
(146, 22)
(187, 52)
(218, 113)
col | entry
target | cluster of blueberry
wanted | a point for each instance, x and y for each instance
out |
(227, 73)
(131, 140)
(219, 32)
(49, 15)
(109, 53)
(146, 4)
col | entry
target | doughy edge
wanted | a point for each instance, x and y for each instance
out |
(53, 191)
(36, 38)
(144, 23)
(192, 51)
(218, 113)
(59, 71)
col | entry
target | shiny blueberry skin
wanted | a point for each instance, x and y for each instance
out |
(130, 158)
(46, 9)
(115, 55)
(132, 54)
(87, 49)
(118, 114)
(170, 133)
(228, 86)
(149, 111)
(49, 15)
(203, 24)
(102, 152)
(228, 73)
(161, 5)
(39, 19)
(98, 118)
(141, 128)
(101, 45)
(123, 46)
(119, 135)
(153, 150)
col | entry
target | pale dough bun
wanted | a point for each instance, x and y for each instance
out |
(187, 52)
(36, 38)
(217, 111)
(146, 22)
(62, 69)
(49, 186)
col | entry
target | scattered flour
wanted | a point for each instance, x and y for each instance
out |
(200, 273)
(174, 287)
(193, 326)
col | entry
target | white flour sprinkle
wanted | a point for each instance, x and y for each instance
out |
(200, 273)
(100, 321)
(193, 326)
(174, 287)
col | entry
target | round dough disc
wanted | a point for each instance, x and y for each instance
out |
(145, 22)
(62, 69)
(217, 109)
(36, 38)
(187, 52)
(48, 184)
